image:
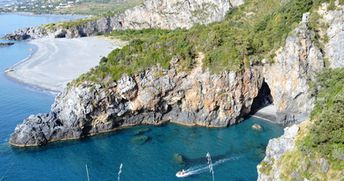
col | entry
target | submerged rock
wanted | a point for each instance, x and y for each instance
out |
(257, 127)
(139, 140)
(178, 158)
(142, 131)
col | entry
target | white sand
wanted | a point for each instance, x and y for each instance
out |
(58, 61)
(267, 113)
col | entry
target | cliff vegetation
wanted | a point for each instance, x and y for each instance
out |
(249, 34)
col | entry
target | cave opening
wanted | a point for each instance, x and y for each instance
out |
(263, 99)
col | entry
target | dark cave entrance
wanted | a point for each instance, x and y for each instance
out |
(263, 99)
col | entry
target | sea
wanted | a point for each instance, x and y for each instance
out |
(143, 153)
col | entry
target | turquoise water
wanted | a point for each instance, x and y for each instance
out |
(151, 159)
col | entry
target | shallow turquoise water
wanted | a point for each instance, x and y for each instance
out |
(152, 160)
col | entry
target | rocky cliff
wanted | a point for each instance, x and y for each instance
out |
(294, 68)
(195, 97)
(154, 96)
(164, 14)
(333, 34)
(282, 155)
(286, 160)
(277, 147)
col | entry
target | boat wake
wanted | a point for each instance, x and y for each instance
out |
(205, 167)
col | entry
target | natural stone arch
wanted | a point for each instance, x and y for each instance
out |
(263, 99)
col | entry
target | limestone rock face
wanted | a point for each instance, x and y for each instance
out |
(275, 150)
(152, 97)
(294, 67)
(173, 14)
(334, 48)
(26, 33)
(164, 14)
(67, 119)
(297, 63)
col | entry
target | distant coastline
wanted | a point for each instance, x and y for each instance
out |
(22, 13)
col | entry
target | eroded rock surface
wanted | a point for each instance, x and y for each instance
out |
(175, 14)
(332, 31)
(152, 97)
(294, 67)
(334, 34)
(276, 148)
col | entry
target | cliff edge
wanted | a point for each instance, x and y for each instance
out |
(313, 149)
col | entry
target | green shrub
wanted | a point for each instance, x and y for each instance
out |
(326, 135)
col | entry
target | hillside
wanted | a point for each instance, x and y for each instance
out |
(248, 35)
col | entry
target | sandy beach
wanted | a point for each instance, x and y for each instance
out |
(58, 61)
(268, 113)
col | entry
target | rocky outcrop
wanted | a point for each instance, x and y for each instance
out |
(276, 148)
(26, 33)
(154, 96)
(6, 44)
(294, 67)
(175, 14)
(287, 158)
(164, 14)
(297, 63)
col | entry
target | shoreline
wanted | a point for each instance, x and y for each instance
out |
(32, 52)
(55, 62)
(268, 113)
(32, 86)
(114, 130)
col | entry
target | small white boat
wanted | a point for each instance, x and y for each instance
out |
(182, 174)
(9, 70)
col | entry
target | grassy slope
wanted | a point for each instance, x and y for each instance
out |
(249, 33)
(326, 133)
